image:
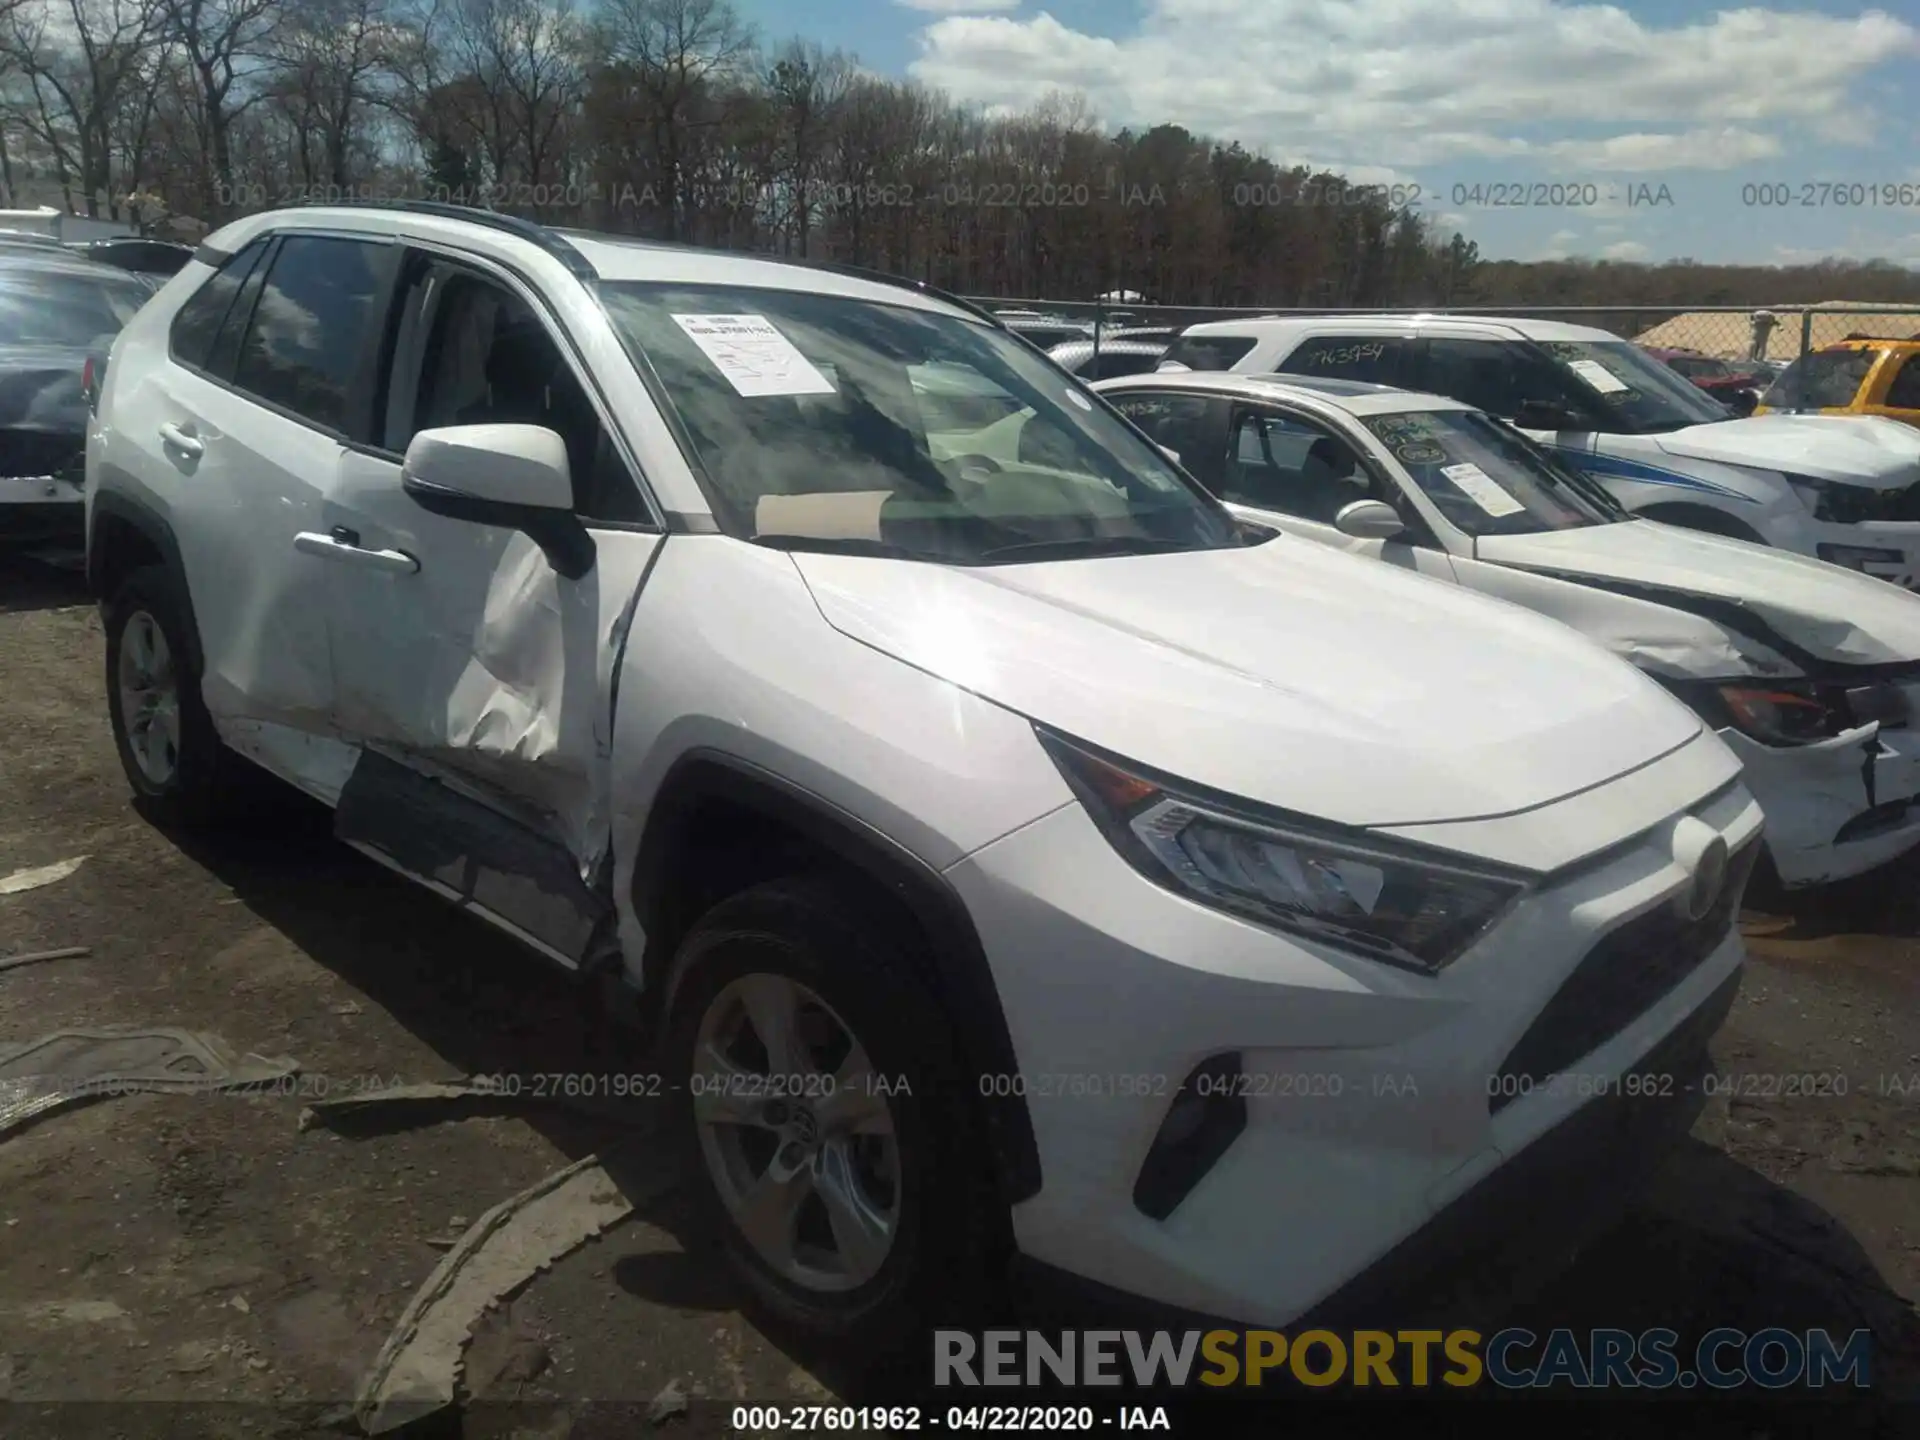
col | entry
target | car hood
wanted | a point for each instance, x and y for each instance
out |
(1822, 610)
(1866, 450)
(1285, 673)
(40, 389)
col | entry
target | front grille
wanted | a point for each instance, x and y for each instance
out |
(1624, 975)
(41, 452)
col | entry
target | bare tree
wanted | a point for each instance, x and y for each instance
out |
(223, 43)
(81, 60)
(330, 60)
(805, 88)
(669, 52)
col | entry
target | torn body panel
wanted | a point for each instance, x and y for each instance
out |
(1838, 808)
(484, 665)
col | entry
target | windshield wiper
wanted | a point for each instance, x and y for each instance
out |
(1083, 545)
(847, 545)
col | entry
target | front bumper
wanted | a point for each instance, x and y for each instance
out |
(1369, 1092)
(41, 508)
(1839, 808)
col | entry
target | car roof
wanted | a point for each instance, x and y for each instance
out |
(1871, 343)
(1351, 396)
(587, 255)
(35, 261)
(1276, 327)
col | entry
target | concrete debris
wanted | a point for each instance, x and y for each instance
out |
(38, 957)
(21, 880)
(71, 1067)
(418, 1368)
(671, 1401)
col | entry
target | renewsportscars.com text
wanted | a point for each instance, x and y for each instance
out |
(1725, 1359)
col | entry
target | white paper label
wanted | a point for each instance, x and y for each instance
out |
(1598, 376)
(1482, 489)
(756, 358)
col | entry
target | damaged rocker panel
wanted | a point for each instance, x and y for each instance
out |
(470, 853)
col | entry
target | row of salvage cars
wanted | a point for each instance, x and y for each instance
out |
(1743, 563)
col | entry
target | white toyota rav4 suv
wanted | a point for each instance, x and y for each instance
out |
(1845, 489)
(1015, 857)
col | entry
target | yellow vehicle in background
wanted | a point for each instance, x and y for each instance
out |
(1856, 376)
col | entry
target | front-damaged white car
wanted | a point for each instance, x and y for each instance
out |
(1015, 853)
(1810, 672)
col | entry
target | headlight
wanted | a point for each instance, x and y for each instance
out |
(1398, 904)
(1858, 557)
(1836, 504)
(1783, 712)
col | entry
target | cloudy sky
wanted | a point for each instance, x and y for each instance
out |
(1732, 110)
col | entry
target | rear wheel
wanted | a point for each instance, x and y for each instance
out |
(173, 757)
(824, 1117)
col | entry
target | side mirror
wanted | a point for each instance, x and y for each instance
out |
(1546, 415)
(512, 476)
(1744, 402)
(1171, 453)
(1369, 520)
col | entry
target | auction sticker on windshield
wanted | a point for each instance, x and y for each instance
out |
(1482, 489)
(756, 358)
(1598, 376)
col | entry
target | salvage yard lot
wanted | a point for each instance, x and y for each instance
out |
(207, 1247)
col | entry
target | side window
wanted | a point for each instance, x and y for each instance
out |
(1904, 393)
(1280, 463)
(1186, 424)
(1373, 359)
(307, 341)
(488, 359)
(1208, 352)
(196, 323)
(1490, 375)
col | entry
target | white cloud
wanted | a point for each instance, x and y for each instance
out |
(1625, 250)
(958, 7)
(1398, 84)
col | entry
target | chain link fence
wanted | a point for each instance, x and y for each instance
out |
(1717, 344)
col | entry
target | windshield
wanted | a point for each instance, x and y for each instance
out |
(78, 312)
(1826, 379)
(1639, 394)
(850, 424)
(1487, 479)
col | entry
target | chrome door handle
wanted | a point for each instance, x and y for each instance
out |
(180, 440)
(332, 547)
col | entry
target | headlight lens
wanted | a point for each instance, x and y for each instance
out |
(1402, 906)
(1835, 504)
(1783, 713)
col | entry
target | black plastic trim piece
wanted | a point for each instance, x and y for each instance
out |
(111, 505)
(212, 255)
(532, 232)
(488, 859)
(962, 975)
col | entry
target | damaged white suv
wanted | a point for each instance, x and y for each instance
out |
(1016, 856)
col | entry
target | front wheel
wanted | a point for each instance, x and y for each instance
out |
(822, 1108)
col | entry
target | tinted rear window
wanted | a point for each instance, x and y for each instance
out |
(1208, 352)
(66, 309)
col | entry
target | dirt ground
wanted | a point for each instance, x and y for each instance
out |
(206, 1249)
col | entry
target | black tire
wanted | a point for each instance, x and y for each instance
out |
(1708, 522)
(824, 936)
(205, 787)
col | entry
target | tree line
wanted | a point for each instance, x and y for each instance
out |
(674, 120)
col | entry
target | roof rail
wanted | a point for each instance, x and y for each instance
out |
(529, 230)
(899, 282)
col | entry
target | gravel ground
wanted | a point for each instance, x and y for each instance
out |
(206, 1249)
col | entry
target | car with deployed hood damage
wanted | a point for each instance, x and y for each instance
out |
(973, 811)
(1809, 672)
(1841, 489)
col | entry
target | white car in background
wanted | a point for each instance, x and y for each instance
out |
(1810, 672)
(1845, 489)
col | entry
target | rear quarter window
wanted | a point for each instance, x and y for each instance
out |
(1372, 359)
